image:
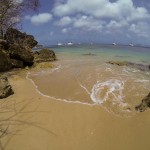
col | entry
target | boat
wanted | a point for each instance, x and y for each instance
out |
(69, 43)
(114, 44)
(59, 44)
(131, 44)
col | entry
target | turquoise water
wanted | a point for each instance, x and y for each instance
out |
(82, 75)
(107, 52)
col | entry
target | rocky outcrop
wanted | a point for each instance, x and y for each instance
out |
(5, 88)
(118, 63)
(144, 104)
(5, 62)
(16, 37)
(22, 54)
(45, 55)
(16, 50)
(142, 67)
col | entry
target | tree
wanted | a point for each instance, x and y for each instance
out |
(12, 11)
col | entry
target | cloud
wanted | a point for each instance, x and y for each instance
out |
(64, 30)
(141, 29)
(64, 21)
(102, 16)
(39, 19)
(121, 9)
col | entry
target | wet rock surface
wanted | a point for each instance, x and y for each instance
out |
(144, 104)
(142, 67)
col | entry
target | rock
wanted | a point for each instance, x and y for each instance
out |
(142, 67)
(89, 54)
(119, 63)
(5, 62)
(21, 53)
(14, 36)
(5, 88)
(17, 63)
(44, 55)
(144, 104)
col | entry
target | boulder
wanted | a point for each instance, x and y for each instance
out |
(5, 88)
(44, 55)
(144, 104)
(118, 63)
(5, 62)
(142, 67)
(13, 36)
(21, 53)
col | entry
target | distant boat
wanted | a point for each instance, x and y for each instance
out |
(114, 44)
(59, 44)
(69, 43)
(131, 44)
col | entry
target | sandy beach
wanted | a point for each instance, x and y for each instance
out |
(40, 123)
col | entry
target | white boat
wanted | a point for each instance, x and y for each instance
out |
(69, 43)
(131, 44)
(114, 44)
(59, 44)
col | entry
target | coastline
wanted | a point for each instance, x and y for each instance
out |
(44, 123)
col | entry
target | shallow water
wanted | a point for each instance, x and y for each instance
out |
(82, 76)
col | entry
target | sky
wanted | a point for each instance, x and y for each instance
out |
(90, 21)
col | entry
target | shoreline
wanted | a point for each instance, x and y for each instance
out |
(59, 125)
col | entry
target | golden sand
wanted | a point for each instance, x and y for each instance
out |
(41, 123)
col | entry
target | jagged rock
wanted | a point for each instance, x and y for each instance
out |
(44, 55)
(119, 63)
(144, 104)
(14, 36)
(21, 53)
(142, 67)
(17, 63)
(5, 62)
(5, 88)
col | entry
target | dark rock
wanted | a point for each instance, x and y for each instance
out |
(89, 54)
(119, 63)
(5, 62)
(14, 36)
(17, 63)
(142, 67)
(144, 104)
(5, 88)
(44, 55)
(21, 53)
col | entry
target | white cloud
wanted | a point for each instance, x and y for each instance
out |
(64, 21)
(64, 30)
(103, 16)
(121, 9)
(141, 29)
(39, 19)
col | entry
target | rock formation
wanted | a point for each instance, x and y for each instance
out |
(142, 67)
(44, 55)
(144, 104)
(16, 50)
(5, 88)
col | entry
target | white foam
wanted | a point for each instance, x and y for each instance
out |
(114, 89)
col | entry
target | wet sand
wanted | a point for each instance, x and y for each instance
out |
(47, 124)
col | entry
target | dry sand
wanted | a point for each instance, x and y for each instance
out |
(41, 123)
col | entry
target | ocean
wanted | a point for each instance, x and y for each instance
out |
(83, 75)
